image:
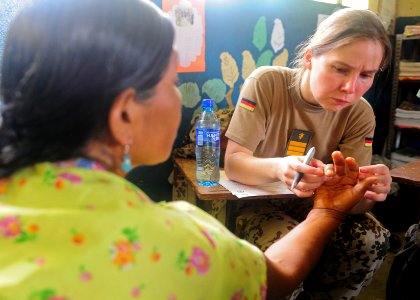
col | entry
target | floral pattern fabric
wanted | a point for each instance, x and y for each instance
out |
(72, 230)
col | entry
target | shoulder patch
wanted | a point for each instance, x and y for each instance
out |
(247, 104)
(368, 141)
(298, 142)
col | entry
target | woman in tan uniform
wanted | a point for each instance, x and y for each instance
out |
(282, 112)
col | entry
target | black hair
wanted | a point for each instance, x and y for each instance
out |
(64, 64)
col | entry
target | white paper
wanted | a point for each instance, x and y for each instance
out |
(189, 32)
(242, 190)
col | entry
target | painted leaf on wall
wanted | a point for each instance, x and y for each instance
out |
(248, 64)
(277, 36)
(281, 59)
(190, 94)
(215, 89)
(265, 58)
(260, 33)
(230, 72)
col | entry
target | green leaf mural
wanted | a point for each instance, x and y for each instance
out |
(265, 58)
(260, 33)
(215, 89)
(190, 94)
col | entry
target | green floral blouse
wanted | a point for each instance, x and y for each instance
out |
(72, 230)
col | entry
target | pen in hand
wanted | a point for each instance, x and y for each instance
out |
(299, 175)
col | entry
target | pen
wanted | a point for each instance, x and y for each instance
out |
(299, 175)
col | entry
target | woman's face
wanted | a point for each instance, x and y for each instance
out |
(338, 78)
(158, 121)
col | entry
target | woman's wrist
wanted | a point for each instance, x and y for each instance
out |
(323, 212)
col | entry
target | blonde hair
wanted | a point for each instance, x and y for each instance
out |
(342, 28)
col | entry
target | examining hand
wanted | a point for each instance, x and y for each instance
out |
(379, 190)
(345, 189)
(313, 174)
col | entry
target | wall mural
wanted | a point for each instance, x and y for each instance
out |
(222, 88)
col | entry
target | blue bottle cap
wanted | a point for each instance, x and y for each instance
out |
(208, 103)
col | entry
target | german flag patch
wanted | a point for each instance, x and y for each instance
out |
(247, 104)
(368, 141)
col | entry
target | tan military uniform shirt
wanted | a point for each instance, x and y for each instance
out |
(270, 108)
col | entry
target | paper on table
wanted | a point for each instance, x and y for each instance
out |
(242, 190)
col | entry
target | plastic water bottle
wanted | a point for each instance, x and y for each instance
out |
(207, 145)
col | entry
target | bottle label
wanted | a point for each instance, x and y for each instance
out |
(209, 137)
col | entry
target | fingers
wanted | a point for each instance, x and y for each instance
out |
(375, 169)
(307, 185)
(352, 165)
(310, 183)
(363, 185)
(309, 169)
(382, 179)
(317, 163)
(345, 166)
(380, 188)
(378, 197)
(293, 164)
(339, 163)
(378, 191)
(329, 170)
(312, 175)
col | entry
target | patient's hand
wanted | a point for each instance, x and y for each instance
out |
(344, 190)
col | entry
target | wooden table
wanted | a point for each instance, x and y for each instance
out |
(187, 168)
(407, 174)
(218, 192)
(406, 209)
(205, 195)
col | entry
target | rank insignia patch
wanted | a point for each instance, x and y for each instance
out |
(368, 141)
(298, 142)
(247, 104)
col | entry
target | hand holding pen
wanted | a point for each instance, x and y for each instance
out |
(307, 160)
(304, 176)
